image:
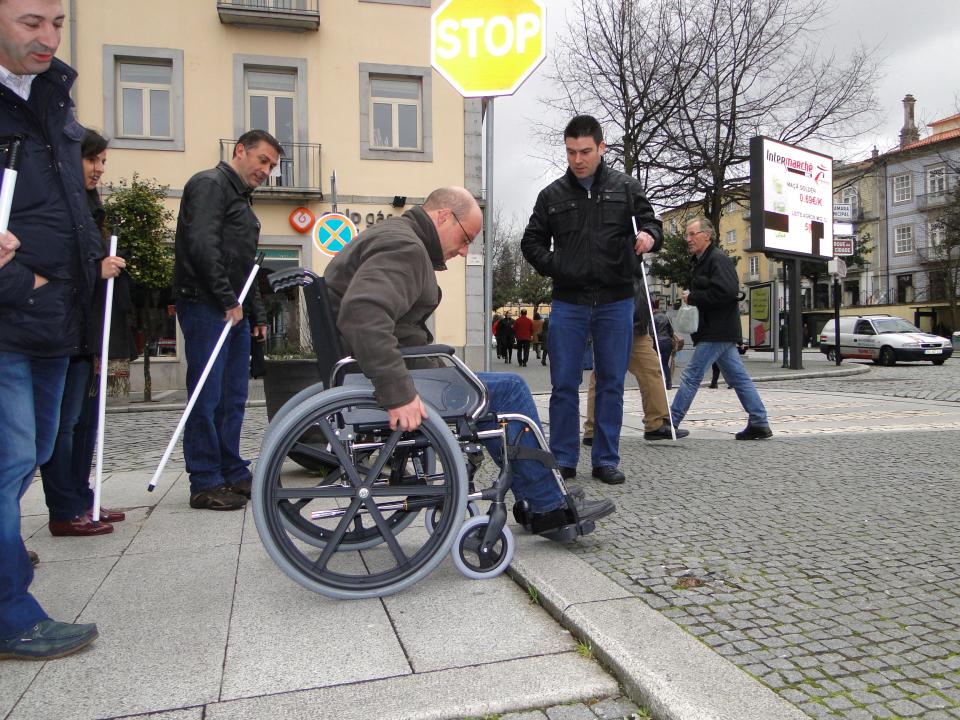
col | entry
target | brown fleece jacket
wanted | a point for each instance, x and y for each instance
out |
(383, 289)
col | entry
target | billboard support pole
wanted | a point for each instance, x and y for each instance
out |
(796, 317)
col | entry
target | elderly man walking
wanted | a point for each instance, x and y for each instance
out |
(714, 292)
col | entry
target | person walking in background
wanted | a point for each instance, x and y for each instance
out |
(665, 339)
(216, 246)
(535, 339)
(49, 259)
(505, 337)
(714, 291)
(581, 234)
(66, 475)
(523, 332)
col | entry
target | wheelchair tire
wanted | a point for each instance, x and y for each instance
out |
(305, 459)
(465, 553)
(355, 497)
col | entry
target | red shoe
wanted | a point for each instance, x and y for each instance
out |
(80, 526)
(108, 515)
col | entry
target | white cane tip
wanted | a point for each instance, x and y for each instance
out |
(150, 487)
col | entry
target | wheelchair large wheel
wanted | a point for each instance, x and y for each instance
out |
(379, 486)
(307, 452)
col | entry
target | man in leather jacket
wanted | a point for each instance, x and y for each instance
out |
(714, 291)
(216, 245)
(588, 215)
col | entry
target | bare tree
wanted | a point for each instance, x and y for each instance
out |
(682, 85)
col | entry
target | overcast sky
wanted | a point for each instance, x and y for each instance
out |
(918, 41)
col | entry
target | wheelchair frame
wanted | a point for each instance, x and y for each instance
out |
(373, 473)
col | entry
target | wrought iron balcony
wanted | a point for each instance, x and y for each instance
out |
(297, 176)
(937, 253)
(295, 15)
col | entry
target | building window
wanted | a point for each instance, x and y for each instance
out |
(143, 97)
(731, 237)
(754, 265)
(905, 289)
(903, 240)
(270, 99)
(395, 113)
(936, 180)
(936, 234)
(902, 188)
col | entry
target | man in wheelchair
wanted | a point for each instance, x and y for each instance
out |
(383, 289)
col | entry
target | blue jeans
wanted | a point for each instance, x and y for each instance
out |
(66, 482)
(531, 481)
(31, 389)
(211, 437)
(611, 327)
(726, 356)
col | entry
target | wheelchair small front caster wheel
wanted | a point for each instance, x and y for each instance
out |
(467, 554)
(432, 517)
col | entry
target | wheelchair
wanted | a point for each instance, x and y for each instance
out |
(336, 491)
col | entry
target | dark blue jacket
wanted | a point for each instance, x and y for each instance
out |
(715, 291)
(51, 219)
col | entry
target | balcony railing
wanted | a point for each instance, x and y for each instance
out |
(298, 174)
(932, 253)
(296, 15)
(933, 200)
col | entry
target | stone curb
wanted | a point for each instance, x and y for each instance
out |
(660, 666)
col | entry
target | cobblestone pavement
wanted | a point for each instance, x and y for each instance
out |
(830, 571)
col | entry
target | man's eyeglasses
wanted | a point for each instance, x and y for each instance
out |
(466, 236)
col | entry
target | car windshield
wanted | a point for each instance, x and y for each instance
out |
(894, 325)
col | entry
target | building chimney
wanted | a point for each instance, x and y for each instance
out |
(908, 133)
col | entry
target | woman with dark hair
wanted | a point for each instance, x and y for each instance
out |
(66, 476)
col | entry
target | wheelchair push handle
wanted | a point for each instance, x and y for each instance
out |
(286, 279)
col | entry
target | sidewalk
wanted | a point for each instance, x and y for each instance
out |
(196, 622)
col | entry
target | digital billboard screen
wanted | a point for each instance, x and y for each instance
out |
(791, 200)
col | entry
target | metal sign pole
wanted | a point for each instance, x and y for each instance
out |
(488, 247)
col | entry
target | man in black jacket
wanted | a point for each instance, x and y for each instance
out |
(48, 265)
(715, 292)
(216, 245)
(588, 214)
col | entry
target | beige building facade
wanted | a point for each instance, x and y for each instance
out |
(347, 88)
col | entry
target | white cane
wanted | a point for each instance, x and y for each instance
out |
(653, 327)
(9, 183)
(203, 376)
(102, 398)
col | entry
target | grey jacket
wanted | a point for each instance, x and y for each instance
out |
(383, 289)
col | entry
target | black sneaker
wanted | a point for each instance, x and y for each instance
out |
(754, 432)
(567, 473)
(220, 498)
(609, 475)
(47, 640)
(585, 511)
(587, 440)
(663, 433)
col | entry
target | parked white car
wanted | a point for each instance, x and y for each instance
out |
(885, 339)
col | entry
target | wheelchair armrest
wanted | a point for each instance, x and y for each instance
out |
(420, 350)
(286, 279)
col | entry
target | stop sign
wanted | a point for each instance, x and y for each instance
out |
(486, 48)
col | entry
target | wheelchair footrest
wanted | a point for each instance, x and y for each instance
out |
(565, 533)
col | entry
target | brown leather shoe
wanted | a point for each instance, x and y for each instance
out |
(79, 526)
(108, 515)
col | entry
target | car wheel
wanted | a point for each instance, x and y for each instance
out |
(887, 357)
(832, 354)
(939, 361)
